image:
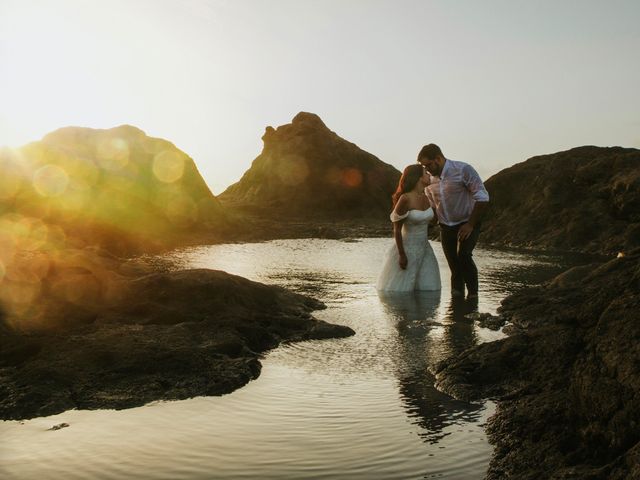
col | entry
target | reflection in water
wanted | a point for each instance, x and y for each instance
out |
(415, 317)
(360, 407)
(459, 332)
(327, 285)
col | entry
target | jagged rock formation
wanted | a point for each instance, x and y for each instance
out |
(117, 188)
(306, 170)
(567, 379)
(585, 199)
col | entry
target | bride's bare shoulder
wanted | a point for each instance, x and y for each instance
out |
(402, 206)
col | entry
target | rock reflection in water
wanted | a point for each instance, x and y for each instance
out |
(325, 284)
(416, 315)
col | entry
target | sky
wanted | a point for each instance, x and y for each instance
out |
(492, 82)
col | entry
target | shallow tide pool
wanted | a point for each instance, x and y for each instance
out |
(362, 407)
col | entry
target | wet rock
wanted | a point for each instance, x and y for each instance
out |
(171, 335)
(59, 426)
(486, 320)
(567, 380)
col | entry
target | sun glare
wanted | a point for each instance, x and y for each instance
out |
(50, 180)
(77, 188)
(168, 166)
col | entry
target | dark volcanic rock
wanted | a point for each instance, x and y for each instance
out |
(171, 335)
(307, 171)
(585, 199)
(567, 380)
(117, 188)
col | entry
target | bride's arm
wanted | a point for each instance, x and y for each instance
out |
(397, 234)
(401, 209)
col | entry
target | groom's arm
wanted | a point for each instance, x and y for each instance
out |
(476, 214)
(473, 183)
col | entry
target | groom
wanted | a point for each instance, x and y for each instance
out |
(459, 198)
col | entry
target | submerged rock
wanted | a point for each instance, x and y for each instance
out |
(58, 426)
(486, 320)
(170, 336)
(567, 380)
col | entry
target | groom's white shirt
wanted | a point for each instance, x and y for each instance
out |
(455, 192)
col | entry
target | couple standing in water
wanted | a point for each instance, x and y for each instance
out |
(440, 190)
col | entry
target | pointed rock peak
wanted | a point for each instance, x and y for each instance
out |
(306, 169)
(310, 119)
(269, 132)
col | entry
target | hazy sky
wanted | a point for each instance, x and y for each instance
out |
(492, 82)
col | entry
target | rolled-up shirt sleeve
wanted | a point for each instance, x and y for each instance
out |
(474, 184)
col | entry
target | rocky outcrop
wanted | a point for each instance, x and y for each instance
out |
(307, 171)
(74, 202)
(81, 326)
(567, 379)
(167, 335)
(586, 199)
(118, 189)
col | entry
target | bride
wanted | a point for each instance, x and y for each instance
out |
(410, 263)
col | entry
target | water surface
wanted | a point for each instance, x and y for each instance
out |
(362, 407)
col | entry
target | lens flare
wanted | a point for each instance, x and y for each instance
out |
(7, 241)
(56, 237)
(182, 210)
(19, 295)
(11, 179)
(31, 233)
(50, 180)
(168, 166)
(113, 153)
(352, 177)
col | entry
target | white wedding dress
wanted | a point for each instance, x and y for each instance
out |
(422, 272)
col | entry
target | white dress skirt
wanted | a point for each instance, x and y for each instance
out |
(422, 272)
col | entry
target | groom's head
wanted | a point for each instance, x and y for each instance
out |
(432, 159)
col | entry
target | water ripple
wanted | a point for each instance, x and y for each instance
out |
(360, 408)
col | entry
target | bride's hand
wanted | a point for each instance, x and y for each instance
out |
(403, 261)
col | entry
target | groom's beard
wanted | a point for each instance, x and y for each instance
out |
(435, 172)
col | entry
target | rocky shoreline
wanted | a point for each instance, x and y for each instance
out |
(81, 327)
(566, 379)
(170, 336)
(256, 228)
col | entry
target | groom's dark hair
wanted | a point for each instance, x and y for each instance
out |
(430, 151)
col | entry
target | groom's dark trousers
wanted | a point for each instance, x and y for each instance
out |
(460, 257)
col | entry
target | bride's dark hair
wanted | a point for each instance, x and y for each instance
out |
(408, 180)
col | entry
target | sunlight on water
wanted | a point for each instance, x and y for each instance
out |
(362, 407)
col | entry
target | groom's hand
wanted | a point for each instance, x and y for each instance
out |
(464, 231)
